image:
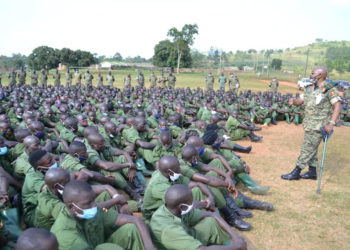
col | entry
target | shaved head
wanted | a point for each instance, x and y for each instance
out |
(37, 239)
(178, 194)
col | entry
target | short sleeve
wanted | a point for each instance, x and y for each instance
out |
(187, 170)
(131, 135)
(159, 190)
(109, 218)
(93, 157)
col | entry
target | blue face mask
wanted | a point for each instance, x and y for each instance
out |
(87, 213)
(81, 159)
(345, 108)
(194, 163)
(40, 134)
(217, 145)
(3, 150)
(55, 165)
(163, 129)
(157, 116)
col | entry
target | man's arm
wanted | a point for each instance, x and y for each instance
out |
(144, 144)
(111, 166)
(335, 115)
(141, 226)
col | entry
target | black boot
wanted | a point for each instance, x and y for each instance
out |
(311, 174)
(242, 149)
(274, 121)
(255, 204)
(253, 137)
(241, 213)
(294, 175)
(132, 193)
(255, 128)
(233, 220)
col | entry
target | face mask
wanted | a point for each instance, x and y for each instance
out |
(105, 114)
(60, 191)
(55, 165)
(194, 163)
(3, 150)
(217, 145)
(81, 159)
(19, 117)
(87, 213)
(213, 112)
(189, 208)
(112, 136)
(201, 150)
(40, 134)
(313, 80)
(163, 129)
(157, 116)
(175, 176)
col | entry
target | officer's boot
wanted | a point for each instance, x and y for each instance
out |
(133, 194)
(242, 149)
(251, 184)
(294, 175)
(139, 183)
(141, 166)
(274, 120)
(233, 219)
(256, 204)
(241, 213)
(253, 137)
(311, 174)
(255, 128)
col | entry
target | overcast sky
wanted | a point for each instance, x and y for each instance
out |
(134, 27)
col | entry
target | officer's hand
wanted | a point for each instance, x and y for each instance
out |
(329, 128)
(4, 198)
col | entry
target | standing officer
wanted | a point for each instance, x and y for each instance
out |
(57, 78)
(321, 111)
(171, 80)
(22, 77)
(209, 82)
(110, 79)
(34, 78)
(153, 79)
(222, 81)
(69, 77)
(274, 85)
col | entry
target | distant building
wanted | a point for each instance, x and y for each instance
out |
(107, 65)
(248, 68)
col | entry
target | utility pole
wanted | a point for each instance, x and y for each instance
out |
(307, 61)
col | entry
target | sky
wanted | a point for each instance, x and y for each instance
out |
(134, 27)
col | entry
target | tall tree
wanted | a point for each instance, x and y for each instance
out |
(183, 39)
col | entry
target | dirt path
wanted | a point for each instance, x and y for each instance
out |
(289, 84)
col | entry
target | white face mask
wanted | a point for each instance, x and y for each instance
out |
(175, 176)
(60, 191)
(189, 208)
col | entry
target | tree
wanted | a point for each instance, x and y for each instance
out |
(117, 56)
(183, 39)
(319, 40)
(165, 55)
(43, 57)
(276, 64)
(252, 51)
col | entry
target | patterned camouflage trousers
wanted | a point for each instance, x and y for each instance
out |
(309, 148)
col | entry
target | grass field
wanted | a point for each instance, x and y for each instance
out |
(302, 219)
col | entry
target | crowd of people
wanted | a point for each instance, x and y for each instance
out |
(77, 162)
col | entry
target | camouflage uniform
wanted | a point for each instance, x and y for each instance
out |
(209, 82)
(100, 81)
(34, 79)
(88, 78)
(318, 112)
(274, 85)
(69, 77)
(77, 78)
(233, 83)
(110, 79)
(127, 81)
(140, 80)
(12, 78)
(22, 77)
(43, 78)
(171, 80)
(57, 78)
(153, 79)
(162, 80)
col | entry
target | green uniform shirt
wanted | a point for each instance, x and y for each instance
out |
(318, 107)
(155, 192)
(67, 135)
(222, 81)
(171, 232)
(48, 209)
(79, 235)
(188, 170)
(71, 163)
(174, 150)
(32, 185)
(22, 164)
